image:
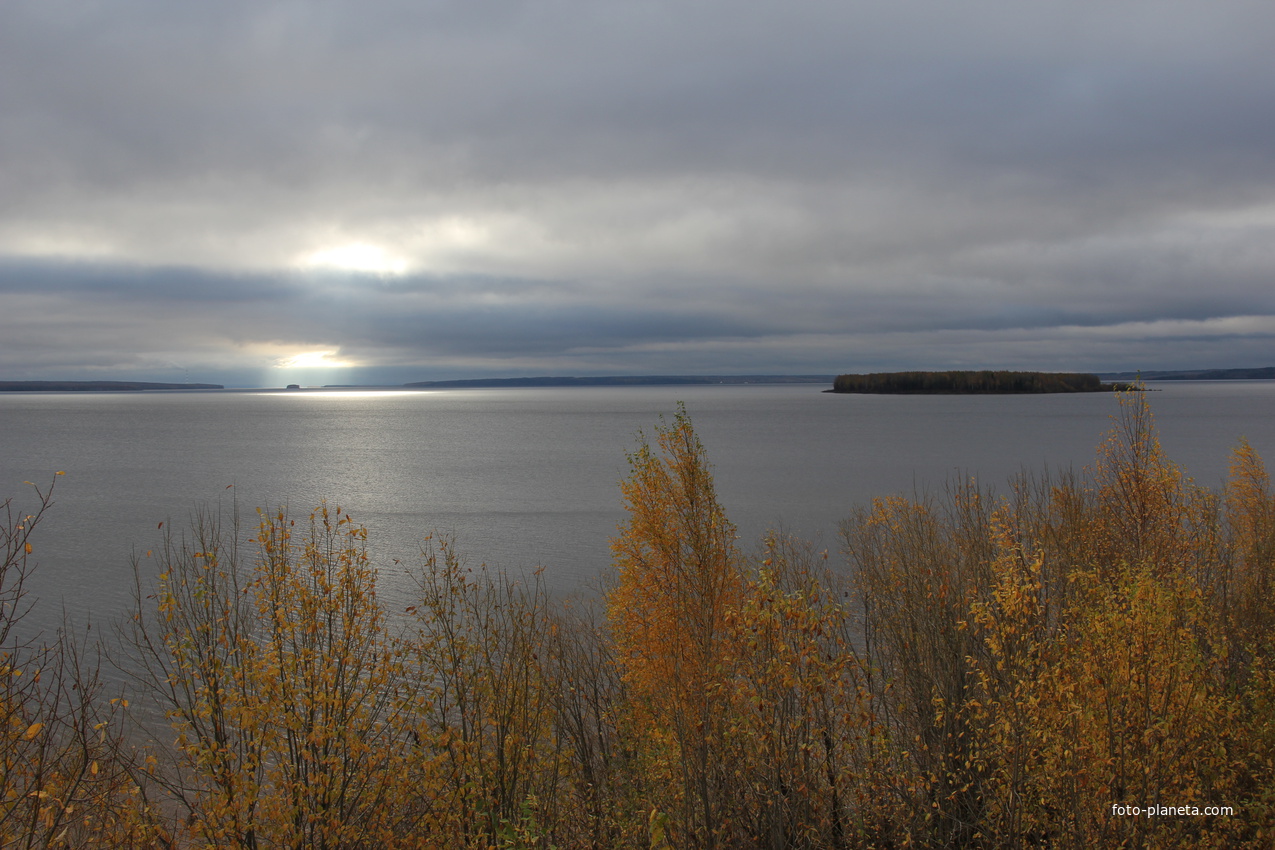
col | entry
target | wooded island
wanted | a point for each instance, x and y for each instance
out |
(972, 382)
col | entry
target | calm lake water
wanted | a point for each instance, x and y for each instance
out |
(529, 477)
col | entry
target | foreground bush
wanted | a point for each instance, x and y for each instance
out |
(63, 772)
(1076, 646)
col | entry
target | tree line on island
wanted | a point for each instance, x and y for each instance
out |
(968, 670)
(977, 382)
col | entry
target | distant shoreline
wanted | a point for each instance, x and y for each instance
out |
(622, 381)
(97, 386)
(1106, 381)
(1265, 373)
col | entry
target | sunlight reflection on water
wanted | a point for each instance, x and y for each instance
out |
(526, 477)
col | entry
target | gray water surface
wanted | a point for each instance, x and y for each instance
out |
(529, 477)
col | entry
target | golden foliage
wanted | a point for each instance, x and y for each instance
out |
(61, 782)
(283, 688)
(484, 722)
(678, 576)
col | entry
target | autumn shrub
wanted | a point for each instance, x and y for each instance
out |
(284, 693)
(494, 765)
(604, 787)
(743, 700)
(806, 761)
(62, 780)
(1082, 642)
(916, 568)
(678, 575)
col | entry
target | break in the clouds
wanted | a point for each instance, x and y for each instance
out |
(262, 192)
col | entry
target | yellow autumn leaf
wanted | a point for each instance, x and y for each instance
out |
(33, 730)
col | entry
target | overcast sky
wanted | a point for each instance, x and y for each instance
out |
(256, 193)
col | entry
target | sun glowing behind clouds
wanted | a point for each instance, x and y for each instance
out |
(356, 257)
(437, 243)
(314, 360)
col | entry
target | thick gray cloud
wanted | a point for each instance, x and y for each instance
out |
(338, 192)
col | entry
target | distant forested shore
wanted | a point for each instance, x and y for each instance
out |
(972, 382)
(97, 386)
(1262, 373)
